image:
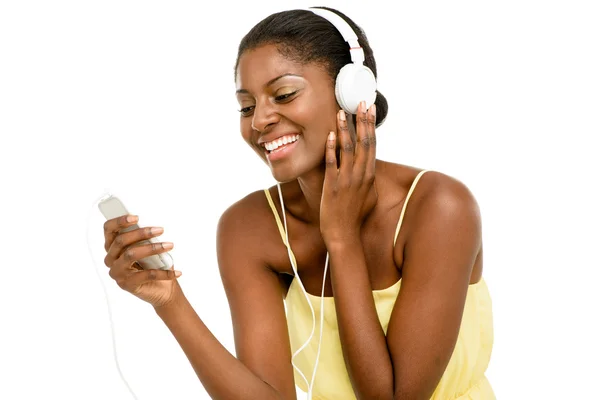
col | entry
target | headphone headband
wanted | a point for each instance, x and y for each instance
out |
(356, 52)
(355, 82)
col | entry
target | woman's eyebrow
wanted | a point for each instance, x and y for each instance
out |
(269, 83)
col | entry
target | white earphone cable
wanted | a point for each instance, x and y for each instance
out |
(312, 381)
(287, 244)
(108, 306)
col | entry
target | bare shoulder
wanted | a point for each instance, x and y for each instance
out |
(444, 207)
(445, 195)
(433, 187)
(246, 216)
(438, 200)
(249, 229)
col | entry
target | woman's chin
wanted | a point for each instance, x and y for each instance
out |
(283, 177)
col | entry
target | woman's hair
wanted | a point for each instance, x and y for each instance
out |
(304, 37)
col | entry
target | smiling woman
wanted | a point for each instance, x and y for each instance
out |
(281, 97)
(403, 310)
(276, 146)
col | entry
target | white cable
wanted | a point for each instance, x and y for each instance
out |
(312, 381)
(112, 327)
(287, 244)
(297, 276)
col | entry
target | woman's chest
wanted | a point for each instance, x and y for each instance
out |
(309, 254)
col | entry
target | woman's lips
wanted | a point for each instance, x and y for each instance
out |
(281, 152)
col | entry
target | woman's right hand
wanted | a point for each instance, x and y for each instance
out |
(157, 287)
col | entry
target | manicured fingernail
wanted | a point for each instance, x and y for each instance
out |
(342, 115)
(156, 231)
(372, 110)
(132, 218)
(177, 274)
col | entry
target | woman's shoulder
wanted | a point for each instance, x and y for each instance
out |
(428, 194)
(440, 205)
(247, 228)
(426, 183)
(247, 215)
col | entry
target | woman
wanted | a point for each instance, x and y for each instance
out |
(406, 313)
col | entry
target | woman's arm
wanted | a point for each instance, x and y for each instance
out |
(443, 240)
(262, 369)
(363, 341)
(348, 196)
(440, 251)
(423, 328)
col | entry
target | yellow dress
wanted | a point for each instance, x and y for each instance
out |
(464, 377)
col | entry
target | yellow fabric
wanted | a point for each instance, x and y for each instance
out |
(464, 377)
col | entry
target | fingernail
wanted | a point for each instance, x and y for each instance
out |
(372, 110)
(167, 245)
(363, 106)
(156, 231)
(177, 274)
(342, 115)
(132, 218)
(331, 136)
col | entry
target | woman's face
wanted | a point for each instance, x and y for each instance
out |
(287, 111)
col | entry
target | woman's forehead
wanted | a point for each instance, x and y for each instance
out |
(262, 64)
(259, 66)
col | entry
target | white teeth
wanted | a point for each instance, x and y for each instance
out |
(273, 145)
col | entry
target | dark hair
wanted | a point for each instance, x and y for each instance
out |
(304, 37)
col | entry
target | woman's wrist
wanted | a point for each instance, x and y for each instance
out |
(176, 300)
(341, 244)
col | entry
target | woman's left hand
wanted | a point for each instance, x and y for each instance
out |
(349, 192)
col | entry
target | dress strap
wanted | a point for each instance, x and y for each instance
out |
(280, 225)
(412, 187)
(276, 214)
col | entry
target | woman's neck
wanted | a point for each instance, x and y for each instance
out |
(311, 186)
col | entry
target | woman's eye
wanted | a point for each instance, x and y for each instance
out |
(246, 111)
(284, 97)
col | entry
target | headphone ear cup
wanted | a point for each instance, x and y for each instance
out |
(355, 83)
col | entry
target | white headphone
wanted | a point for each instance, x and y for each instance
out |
(355, 82)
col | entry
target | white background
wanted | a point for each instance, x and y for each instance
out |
(138, 97)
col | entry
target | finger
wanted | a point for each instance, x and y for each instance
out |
(137, 266)
(135, 279)
(346, 145)
(112, 227)
(371, 138)
(124, 240)
(132, 255)
(363, 143)
(331, 167)
(119, 274)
